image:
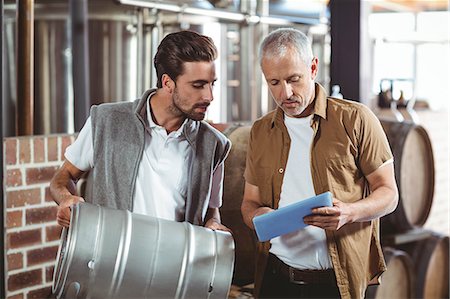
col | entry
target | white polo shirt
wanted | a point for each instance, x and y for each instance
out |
(161, 183)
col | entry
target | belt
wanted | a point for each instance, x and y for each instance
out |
(297, 276)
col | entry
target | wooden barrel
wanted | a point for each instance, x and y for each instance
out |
(430, 258)
(398, 280)
(414, 172)
(233, 190)
(390, 114)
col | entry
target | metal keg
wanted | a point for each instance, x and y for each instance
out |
(108, 253)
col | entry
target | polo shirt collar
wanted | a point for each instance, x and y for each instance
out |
(189, 128)
(181, 131)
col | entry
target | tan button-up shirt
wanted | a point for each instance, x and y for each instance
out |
(349, 144)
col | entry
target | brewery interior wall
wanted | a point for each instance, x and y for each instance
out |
(126, 37)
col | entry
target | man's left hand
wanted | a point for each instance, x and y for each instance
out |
(214, 225)
(330, 218)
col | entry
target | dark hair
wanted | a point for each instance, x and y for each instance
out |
(177, 48)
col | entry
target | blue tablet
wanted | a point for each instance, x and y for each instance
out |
(289, 218)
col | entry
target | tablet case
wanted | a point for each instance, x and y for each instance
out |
(289, 218)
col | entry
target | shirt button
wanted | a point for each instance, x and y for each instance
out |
(281, 170)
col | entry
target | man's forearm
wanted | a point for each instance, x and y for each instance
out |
(62, 184)
(250, 209)
(61, 187)
(379, 203)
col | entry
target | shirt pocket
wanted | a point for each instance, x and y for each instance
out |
(342, 173)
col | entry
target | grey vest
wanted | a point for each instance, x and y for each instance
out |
(118, 132)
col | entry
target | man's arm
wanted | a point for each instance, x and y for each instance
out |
(62, 189)
(212, 220)
(382, 201)
(251, 204)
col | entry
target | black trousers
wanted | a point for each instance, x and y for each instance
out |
(277, 284)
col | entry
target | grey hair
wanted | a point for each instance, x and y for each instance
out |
(279, 41)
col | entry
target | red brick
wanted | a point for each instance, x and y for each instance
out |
(52, 148)
(17, 296)
(41, 255)
(24, 279)
(13, 178)
(13, 219)
(15, 261)
(40, 215)
(53, 233)
(21, 198)
(39, 149)
(11, 151)
(24, 238)
(24, 150)
(65, 142)
(49, 273)
(40, 293)
(40, 175)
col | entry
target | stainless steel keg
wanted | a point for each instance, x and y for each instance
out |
(108, 253)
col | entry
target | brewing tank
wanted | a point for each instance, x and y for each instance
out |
(113, 55)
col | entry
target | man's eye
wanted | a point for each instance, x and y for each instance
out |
(198, 86)
(294, 79)
(274, 82)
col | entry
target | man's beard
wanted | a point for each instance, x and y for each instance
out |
(177, 108)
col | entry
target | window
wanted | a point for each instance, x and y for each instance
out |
(412, 51)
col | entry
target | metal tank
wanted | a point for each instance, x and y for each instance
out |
(123, 36)
(108, 253)
(113, 54)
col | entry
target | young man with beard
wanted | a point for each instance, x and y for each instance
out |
(311, 144)
(154, 156)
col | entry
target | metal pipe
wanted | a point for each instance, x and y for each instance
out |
(80, 60)
(2, 207)
(246, 74)
(140, 70)
(222, 14)
(25, 67)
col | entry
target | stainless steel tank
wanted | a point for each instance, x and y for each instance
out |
(113, 68)
(108, 253)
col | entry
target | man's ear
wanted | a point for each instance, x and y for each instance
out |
(167, 83)
(314, 67)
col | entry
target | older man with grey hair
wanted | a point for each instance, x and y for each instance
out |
(311, 144)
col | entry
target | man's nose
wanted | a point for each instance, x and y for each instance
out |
(208, 92)
(286, 90)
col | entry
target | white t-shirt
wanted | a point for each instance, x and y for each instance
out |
(305, 248)
(161, 183)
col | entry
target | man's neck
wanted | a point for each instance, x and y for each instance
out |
(163, 115)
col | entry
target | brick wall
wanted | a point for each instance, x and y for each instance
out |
(32, 234)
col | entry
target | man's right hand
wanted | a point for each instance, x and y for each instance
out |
(63, 213)
(62, 189)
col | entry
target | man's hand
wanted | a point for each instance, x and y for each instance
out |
(62, 189)
(214, 225)
(330, 218)
(382, 200)
(63, 213)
